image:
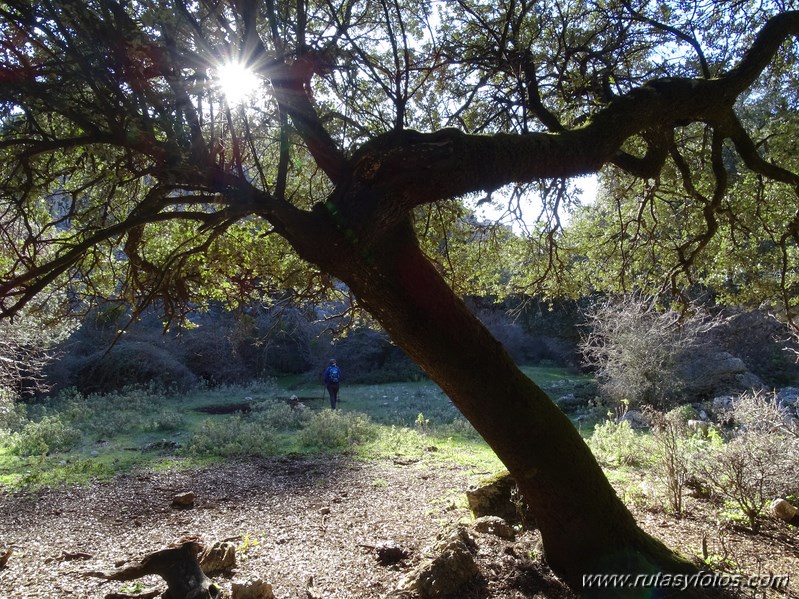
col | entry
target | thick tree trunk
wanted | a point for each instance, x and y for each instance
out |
(585, 527)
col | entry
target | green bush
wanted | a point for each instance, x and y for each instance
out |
(50, 434)
(331, 429)
(165, 420)
(281, 416)
(236, 435)
(617, 444)
(460, 427)
(12, 414)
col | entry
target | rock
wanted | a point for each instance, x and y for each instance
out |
(749, 380)
(636, 420)
(389, 553)
(785, 511)
(218, 558)
(499, 496)
(723, 403)
(570, 402)
(698, 426)
(5, 555)
(494, 525)
(183, 500)
(788, 397)
(254, 588)
(446, 575)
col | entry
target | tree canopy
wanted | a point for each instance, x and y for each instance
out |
(124, 160)
(127, 171)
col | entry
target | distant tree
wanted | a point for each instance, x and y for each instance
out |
(27, 345)
(127, 170)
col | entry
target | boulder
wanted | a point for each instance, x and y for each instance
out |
(494, 525)
(183, 500)
(788, 397)
(499, 496)
(715, 374)
(220, 557)
(785, 511)
(251, 589)
(722, 403)
(636, 420)
(448, 574)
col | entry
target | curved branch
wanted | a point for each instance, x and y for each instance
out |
(690, 40)
(449, 163)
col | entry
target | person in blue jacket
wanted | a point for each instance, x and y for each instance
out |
(332, 379)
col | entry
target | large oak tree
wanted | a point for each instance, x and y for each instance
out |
(125, 170)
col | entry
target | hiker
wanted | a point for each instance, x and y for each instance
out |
(332, 378)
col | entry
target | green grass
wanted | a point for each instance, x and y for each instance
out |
(74, 439)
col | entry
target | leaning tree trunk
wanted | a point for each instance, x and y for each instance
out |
(584, 526)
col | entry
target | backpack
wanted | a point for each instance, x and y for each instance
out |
(333, 374)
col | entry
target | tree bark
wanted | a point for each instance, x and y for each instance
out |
(178, 565)
(585, 527)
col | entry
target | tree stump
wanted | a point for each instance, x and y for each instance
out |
(178, 565)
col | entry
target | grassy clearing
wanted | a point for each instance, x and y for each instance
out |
(73, 439)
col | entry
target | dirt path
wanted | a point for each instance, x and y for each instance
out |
(291, 518)
(295, 518)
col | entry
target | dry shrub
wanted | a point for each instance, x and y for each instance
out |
(637, 350)
(758, 463)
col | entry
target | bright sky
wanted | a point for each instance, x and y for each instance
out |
(237, 82)
(531, 208)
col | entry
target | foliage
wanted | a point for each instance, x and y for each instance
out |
(27, 345)
(234, 436)
(615, 444)
(44, 436)
(127, 172)
(331, 430)
(637, 349)
(279, 415)
(758, 463)
(677, 448)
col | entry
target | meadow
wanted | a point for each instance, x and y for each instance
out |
(70, 438)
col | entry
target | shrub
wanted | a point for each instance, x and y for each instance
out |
(617, 444)
(460, 427)
(675, 450)
(281, 416)
(236, 435)
(12, 414)
(638, 351)
(332, 429)
(50, 434)
(758, 463)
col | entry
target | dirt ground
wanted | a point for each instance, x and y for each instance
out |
(297, 519)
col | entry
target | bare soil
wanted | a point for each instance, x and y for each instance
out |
(300, 519)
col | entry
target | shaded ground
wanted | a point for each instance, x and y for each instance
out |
(295, 518)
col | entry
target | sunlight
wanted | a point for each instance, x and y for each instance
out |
(237, 82)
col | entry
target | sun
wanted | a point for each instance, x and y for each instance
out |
(237, 82)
